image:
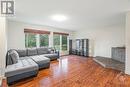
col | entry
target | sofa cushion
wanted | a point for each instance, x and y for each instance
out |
(8, 59)
(22, 66)
(13, 57)
(26, 57)
(42, 61)
(42, 50)
(51, 56)
(31, 51)
(22, 53)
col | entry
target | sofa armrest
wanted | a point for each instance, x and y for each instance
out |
(53, 50)
(57, 52)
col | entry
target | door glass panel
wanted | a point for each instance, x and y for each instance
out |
(44, 40)
(57, 41)
(64, 42)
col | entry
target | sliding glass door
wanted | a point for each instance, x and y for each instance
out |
(61, 43)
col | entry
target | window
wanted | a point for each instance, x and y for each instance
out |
(56, 41)
(36, 38)
(44, 40)
(30, 40)
(64, 42)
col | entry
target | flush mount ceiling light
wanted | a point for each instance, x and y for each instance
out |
(59, 17)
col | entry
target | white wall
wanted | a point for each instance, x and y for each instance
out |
(127, 67)
(3, 44)
(102, 39)
(16, 36)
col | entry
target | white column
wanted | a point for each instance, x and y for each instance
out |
(68, 44)
(127, 62)
(60, 42)
(37, 40)
(3, 44)
(51, 39)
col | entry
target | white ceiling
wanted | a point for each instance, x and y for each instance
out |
(81, 13)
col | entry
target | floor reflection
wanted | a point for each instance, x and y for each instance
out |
(62, 67)
(63, 64)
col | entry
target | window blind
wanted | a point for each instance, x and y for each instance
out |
(36, 31)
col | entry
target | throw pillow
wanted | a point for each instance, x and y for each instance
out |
(14, 56)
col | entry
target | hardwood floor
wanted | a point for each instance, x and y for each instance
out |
(75, 71)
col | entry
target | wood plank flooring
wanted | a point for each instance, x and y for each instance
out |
(76, 71)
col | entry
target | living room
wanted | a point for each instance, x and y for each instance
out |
(65, 43)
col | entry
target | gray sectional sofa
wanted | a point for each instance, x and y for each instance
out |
(26, 63)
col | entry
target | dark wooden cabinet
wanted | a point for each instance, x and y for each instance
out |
(81, 48)
(70, 46)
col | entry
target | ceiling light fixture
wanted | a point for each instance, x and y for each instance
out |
(59, 18)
